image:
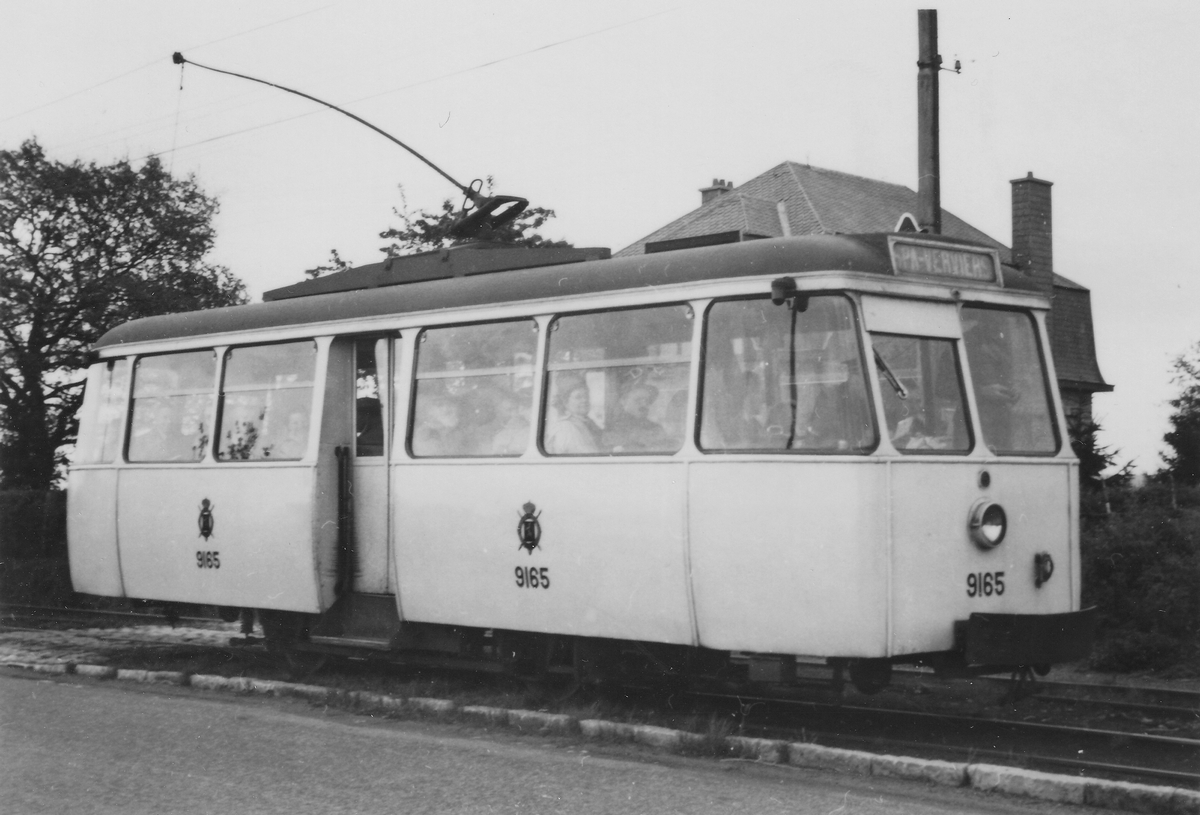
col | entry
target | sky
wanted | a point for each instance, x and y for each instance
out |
(615, 114)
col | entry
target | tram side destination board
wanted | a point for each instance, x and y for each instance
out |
(912, 258)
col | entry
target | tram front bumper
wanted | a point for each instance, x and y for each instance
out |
(1028, 639)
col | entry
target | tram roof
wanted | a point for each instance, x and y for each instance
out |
(867, 254)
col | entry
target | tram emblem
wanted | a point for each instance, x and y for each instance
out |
(529, 530)
(205, 521)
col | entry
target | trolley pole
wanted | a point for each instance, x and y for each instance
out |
(929, 188)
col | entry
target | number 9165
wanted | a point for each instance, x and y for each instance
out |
(529, 577)
(985, 584)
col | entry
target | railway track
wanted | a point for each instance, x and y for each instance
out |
(810, 711)
(1122, 755)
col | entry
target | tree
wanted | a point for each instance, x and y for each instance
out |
(1183, 464)
(1094, 459)
(83, 248)
(425, 231)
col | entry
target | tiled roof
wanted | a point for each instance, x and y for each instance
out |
(816, 201)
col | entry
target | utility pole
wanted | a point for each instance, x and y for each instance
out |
(929, 186)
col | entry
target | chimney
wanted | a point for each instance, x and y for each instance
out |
(719, 187)
(1032, 245)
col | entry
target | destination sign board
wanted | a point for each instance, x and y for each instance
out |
(927, 259)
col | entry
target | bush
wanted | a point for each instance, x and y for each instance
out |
(33, 524)
(1141, 567)
(33, 547)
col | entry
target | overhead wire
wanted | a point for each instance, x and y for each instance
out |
(158, 61)
(419, 83)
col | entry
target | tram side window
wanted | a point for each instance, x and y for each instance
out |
(104, 412)
(474, 390)
(266, 399)
(617, 382)
(1009, 380)
(923, 400)
(172, 403)
(782, 379)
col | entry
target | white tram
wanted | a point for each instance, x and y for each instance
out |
(841, 446)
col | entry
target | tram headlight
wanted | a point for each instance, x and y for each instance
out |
(989, 524)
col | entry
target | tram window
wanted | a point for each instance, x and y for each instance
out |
(923, 400)
(104, 412)
(266, 398)
(617, 382)
(172, 402)
(1009, 380)
(474, 390)
(777, 379)
(368, 408)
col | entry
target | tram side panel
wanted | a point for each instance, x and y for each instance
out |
(941, 576)
(790, 557)
(232, 536)
(92, 531)
(590, 548)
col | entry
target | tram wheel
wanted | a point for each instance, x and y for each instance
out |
(284, 631)
(870, 676)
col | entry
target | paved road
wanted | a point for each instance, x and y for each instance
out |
(82, 746)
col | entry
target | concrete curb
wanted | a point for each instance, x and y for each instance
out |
(1118, 795)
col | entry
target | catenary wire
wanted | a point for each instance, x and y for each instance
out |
(157, 61)
(411, 85)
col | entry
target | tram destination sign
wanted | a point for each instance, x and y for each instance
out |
(928, 259)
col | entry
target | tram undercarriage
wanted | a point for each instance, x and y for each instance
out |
(367, 626)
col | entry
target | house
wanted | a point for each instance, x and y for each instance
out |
(798, 199)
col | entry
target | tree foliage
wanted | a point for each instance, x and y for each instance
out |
(424, 231)
(83, 248)
(1183, 462)
(1094, 458)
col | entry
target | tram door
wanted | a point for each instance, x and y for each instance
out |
(369, 471)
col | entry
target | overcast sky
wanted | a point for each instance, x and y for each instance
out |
(614, 115)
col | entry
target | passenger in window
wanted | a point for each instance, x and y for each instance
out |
(437, 432)
(630, 430)
(675, 419)
(991, 370)
(573, 432)
(369, 424)
(157, 436)
(509, 429)
(754, 426)
(294, 441)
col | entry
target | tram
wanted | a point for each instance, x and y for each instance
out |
(842, 446)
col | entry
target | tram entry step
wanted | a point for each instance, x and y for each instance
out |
(360, 617)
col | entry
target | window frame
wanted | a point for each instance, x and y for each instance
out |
(969, 416)
(1049, 386)
(131, 400)
(544, 407)
(415, 362)
(861, 339)
(224, 351)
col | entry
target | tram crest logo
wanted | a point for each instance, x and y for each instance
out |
(206, 521)
(529, 530)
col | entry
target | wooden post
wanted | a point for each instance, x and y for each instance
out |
(929, 190)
